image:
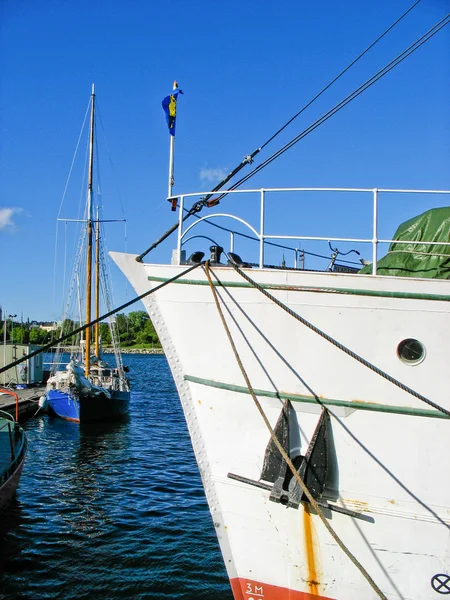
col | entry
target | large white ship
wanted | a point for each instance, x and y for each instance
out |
(316, 394)
(350, 371)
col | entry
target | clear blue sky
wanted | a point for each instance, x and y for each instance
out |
(245, 68)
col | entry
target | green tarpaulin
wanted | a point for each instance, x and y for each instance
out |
(419, 258)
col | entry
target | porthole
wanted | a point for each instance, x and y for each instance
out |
(411, 351)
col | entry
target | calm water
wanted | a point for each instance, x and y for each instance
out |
(113, 511)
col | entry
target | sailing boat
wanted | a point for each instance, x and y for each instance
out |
(89, 389)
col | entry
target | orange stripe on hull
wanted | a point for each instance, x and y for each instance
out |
(247, 589)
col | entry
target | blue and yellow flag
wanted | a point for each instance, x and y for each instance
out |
(169, 105)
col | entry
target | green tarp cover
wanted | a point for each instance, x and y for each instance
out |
(419, 258)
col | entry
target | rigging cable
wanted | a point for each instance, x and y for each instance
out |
(340, 75)
(249, 159)
(63, 197)
(395, 62)
(95, 321)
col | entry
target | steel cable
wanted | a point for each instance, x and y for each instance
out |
(386, 69)
(101, 318)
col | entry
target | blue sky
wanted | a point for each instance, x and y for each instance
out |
(245, 68)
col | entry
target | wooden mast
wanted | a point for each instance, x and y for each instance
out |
(97, 285)
(87, 358)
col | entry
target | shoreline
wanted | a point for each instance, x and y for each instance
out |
(134, 351)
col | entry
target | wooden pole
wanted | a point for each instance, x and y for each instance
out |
(87, 358)
(97, 286)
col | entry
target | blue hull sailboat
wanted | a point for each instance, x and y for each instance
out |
(89, 388)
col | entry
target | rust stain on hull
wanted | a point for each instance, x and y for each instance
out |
(311, 559)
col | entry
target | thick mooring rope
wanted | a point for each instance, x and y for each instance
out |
(282, 451)
(327, 337)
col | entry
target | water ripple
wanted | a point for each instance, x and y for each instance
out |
(115, 510)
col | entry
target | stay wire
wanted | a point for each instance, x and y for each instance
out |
(340, 75)
(62, 201)
(394, 63)
(205, 201)
(101, 318)
(282, 451)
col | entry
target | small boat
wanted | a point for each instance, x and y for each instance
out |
(13, 449)
(89, 388)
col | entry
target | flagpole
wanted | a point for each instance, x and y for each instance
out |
(171, 165)
(172, 156)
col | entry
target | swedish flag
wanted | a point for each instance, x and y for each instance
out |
(169, 105)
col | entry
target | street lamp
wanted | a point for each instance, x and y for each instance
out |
(12, 328)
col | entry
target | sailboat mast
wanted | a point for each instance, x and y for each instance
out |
(87, 358)
(97, 285)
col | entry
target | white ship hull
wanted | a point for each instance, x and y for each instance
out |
(392, 462)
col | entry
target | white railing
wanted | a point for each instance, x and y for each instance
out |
(263, 237)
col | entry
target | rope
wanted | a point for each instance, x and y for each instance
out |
(421, 253)
(101, 318)
(282, 451)
(327, 337)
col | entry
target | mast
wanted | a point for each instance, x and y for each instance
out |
(87, 358)
(97, 285)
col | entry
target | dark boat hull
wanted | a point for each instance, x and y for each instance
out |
(102, 408)
(13, 449)
(87, 409)
(9, 488)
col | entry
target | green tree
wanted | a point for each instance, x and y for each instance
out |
(17, 334)
(37, 335)
(138, 320)
(105, 334)
(147, 335)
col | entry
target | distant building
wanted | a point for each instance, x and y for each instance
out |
(29, 372)
(46, 326)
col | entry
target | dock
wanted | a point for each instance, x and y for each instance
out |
(28, 401)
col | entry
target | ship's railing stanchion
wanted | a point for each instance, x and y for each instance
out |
(231, 241)
(261, 234)
(375, 232)
(180, 228)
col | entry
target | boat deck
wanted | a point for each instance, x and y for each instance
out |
(28, 401)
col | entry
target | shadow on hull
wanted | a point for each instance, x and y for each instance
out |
(88, 409)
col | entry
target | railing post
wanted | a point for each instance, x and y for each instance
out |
(231, 241)
(180, 228)
(375, 232)
(261, 232)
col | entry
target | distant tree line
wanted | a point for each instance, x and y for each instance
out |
(134, 329)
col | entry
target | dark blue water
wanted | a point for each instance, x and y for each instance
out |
(114, 510)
